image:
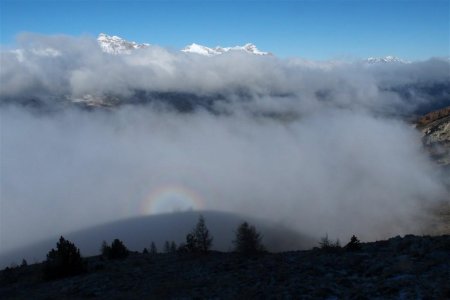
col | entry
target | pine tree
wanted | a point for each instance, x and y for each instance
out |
(64, 261)
(105, 249)
(354, 244)
(200, 237)
(248, 240)
(24, 263)
(117, 250)
(153, 249)
(325, 242)
(166, 247)
(173, 247)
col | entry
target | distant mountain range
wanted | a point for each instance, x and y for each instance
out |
(386, 59)
(117, 45)
(203, 50)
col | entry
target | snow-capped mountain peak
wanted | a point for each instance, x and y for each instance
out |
(113, 44)
(199, 49)
(251, 48)
(116, 45)
(386, 59)
(203, 50)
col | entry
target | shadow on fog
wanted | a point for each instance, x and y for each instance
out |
(139, 232)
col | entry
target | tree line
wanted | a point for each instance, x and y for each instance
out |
(66, 260)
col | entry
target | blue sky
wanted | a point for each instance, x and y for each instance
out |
(309, 29)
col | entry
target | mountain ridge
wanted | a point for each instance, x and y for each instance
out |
(114, 44)
(207, 51)
(386, 60)
(117, 45)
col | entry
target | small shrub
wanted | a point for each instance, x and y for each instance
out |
(64, 261)
(248, 240)
(328, 245)
(354, 244)
(190, 243)
(9, 275)
(24, 263)
(182, 249)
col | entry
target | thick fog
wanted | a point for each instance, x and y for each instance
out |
(322, 147)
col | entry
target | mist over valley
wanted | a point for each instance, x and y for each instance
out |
(90, 136)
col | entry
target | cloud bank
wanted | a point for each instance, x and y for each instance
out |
(319, 146)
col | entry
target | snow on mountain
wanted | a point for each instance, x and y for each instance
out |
(203, 50)
(386, 59)
(117, 45)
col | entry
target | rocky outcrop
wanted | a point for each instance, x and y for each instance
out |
(435, 127)
(433, 116)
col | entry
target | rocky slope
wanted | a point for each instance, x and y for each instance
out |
(435, 127)
(411, 267)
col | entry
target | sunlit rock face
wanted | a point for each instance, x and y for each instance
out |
(435, 127)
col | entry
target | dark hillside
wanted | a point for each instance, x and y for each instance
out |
(411, 267)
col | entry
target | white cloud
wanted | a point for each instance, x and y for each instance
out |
(314, 145)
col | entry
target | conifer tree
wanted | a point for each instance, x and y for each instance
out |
(248, 240)
(166, 247)
(64, 261)
(153, 249)
(173, 247)
(354, 244)
(117, 250)
(200, 237)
